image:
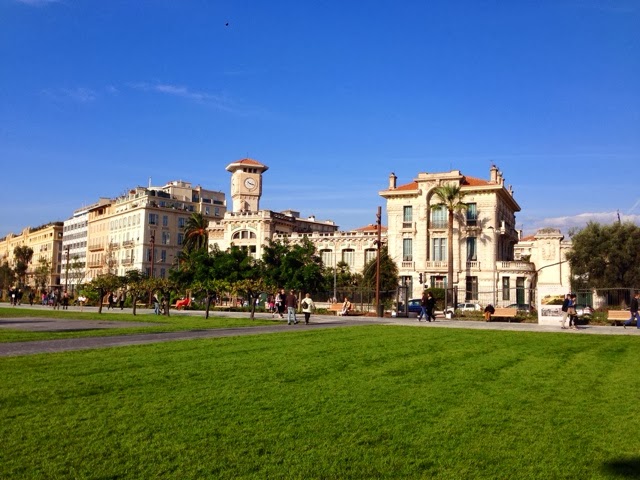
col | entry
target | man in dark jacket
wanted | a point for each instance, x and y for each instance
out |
(292, 304)
(633, 309)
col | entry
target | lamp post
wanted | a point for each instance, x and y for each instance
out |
(66, 272)
(379, 308)
(153, 247)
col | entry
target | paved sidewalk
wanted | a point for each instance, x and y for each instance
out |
(318, 321)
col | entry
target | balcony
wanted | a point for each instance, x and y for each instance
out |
(407, 225)
(515, 267)
(127, 243)
(439, 224)
(407, 265)
(473, 265)
(439, 265)
(127, 261)
(94, 263)
(96, 247)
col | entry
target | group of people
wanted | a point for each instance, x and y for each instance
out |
(113, 300)
(281, 300)
(427, 307)
(569, 311)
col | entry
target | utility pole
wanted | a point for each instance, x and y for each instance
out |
(379, 310)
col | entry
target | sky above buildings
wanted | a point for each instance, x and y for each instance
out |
(97, 97)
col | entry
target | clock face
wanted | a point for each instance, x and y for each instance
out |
(250, 183)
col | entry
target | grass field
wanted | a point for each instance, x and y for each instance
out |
(173, 323)
(350, 403)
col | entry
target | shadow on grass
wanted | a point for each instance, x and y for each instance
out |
(623, 467)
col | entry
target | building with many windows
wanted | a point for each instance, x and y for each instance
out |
(249, 227)
(46, 242)
(484, 266)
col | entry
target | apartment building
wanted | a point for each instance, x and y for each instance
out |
(144, 229)
(46, 264)
(484, 266)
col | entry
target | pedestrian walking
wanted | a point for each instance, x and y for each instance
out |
(633, 310)
(121, 299)
(307, 307)
(292, 305)
(431, 307)
(280, 302)
(571, 311)
(65, 300)
(423, 308)
(156, 304)
(565, 310)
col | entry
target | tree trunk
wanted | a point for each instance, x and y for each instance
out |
(450, 257)
(101, 294)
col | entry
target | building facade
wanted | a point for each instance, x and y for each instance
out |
(45, 267)
(484, 237)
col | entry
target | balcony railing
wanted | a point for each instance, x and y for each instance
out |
(407, 225)
(127, 243)
(516, 266)
(407, 265)
(438, 224)
(436, 264)
(127, 261)
(473, 265)
(95, 247)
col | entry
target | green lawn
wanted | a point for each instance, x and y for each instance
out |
(173, 323)
(349, 403)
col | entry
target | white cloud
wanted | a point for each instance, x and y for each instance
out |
(582, 219)
(220, 102)
(79, 94)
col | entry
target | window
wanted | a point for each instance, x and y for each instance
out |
(438, 282)
(407, 216)
(505, 288)
(472, 253)
(369, 255)
(439, 217)
(166, 238)
(149, 254)
(348, 256)
(243, 234)
(472, 213)
(439, 250)
(216, 211)
(153, 219)
(163, 273)
(471, 290)
(327, 257)
(165, 221)
(163, 256)
(181, 222)
(180, 238)
(407, 249)
(206, 211)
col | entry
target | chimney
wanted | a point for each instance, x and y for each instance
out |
(392, 181)
(493, 174)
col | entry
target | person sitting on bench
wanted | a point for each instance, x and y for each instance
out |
(346, 306)
(488, 311)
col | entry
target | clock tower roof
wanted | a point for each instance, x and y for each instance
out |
(246, 162)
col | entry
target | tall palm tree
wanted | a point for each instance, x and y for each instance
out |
(451, 197)
(195, 232)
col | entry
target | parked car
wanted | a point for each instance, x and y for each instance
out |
(522, 307)
(414, 305)
(583, 310)
(469, 307)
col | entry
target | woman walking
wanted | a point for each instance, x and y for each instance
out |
(307, 307)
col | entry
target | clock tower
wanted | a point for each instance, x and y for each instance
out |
(246, 184)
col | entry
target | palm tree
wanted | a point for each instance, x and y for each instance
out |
(450, 197)
(195, 232)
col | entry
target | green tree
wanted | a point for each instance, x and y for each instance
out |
(135, 282)
(450, 197)
(42, 273)
(102, 284)
(7, 276)
(606, 256)
(23, 256)
(294, 266)
(388, 275)
(196, 236)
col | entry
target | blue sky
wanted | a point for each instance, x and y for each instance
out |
(98, 96)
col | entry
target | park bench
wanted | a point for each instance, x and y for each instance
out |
(615, 316)
(505, 313)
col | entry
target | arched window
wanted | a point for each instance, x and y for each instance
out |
(243, 234)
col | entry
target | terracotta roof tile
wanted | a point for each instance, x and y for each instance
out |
(408, 186)
(528, 238)
(474, 182)
(371, 228)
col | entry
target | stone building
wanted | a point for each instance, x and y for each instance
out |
(484, 265)
(46, 243)
(249, 227)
